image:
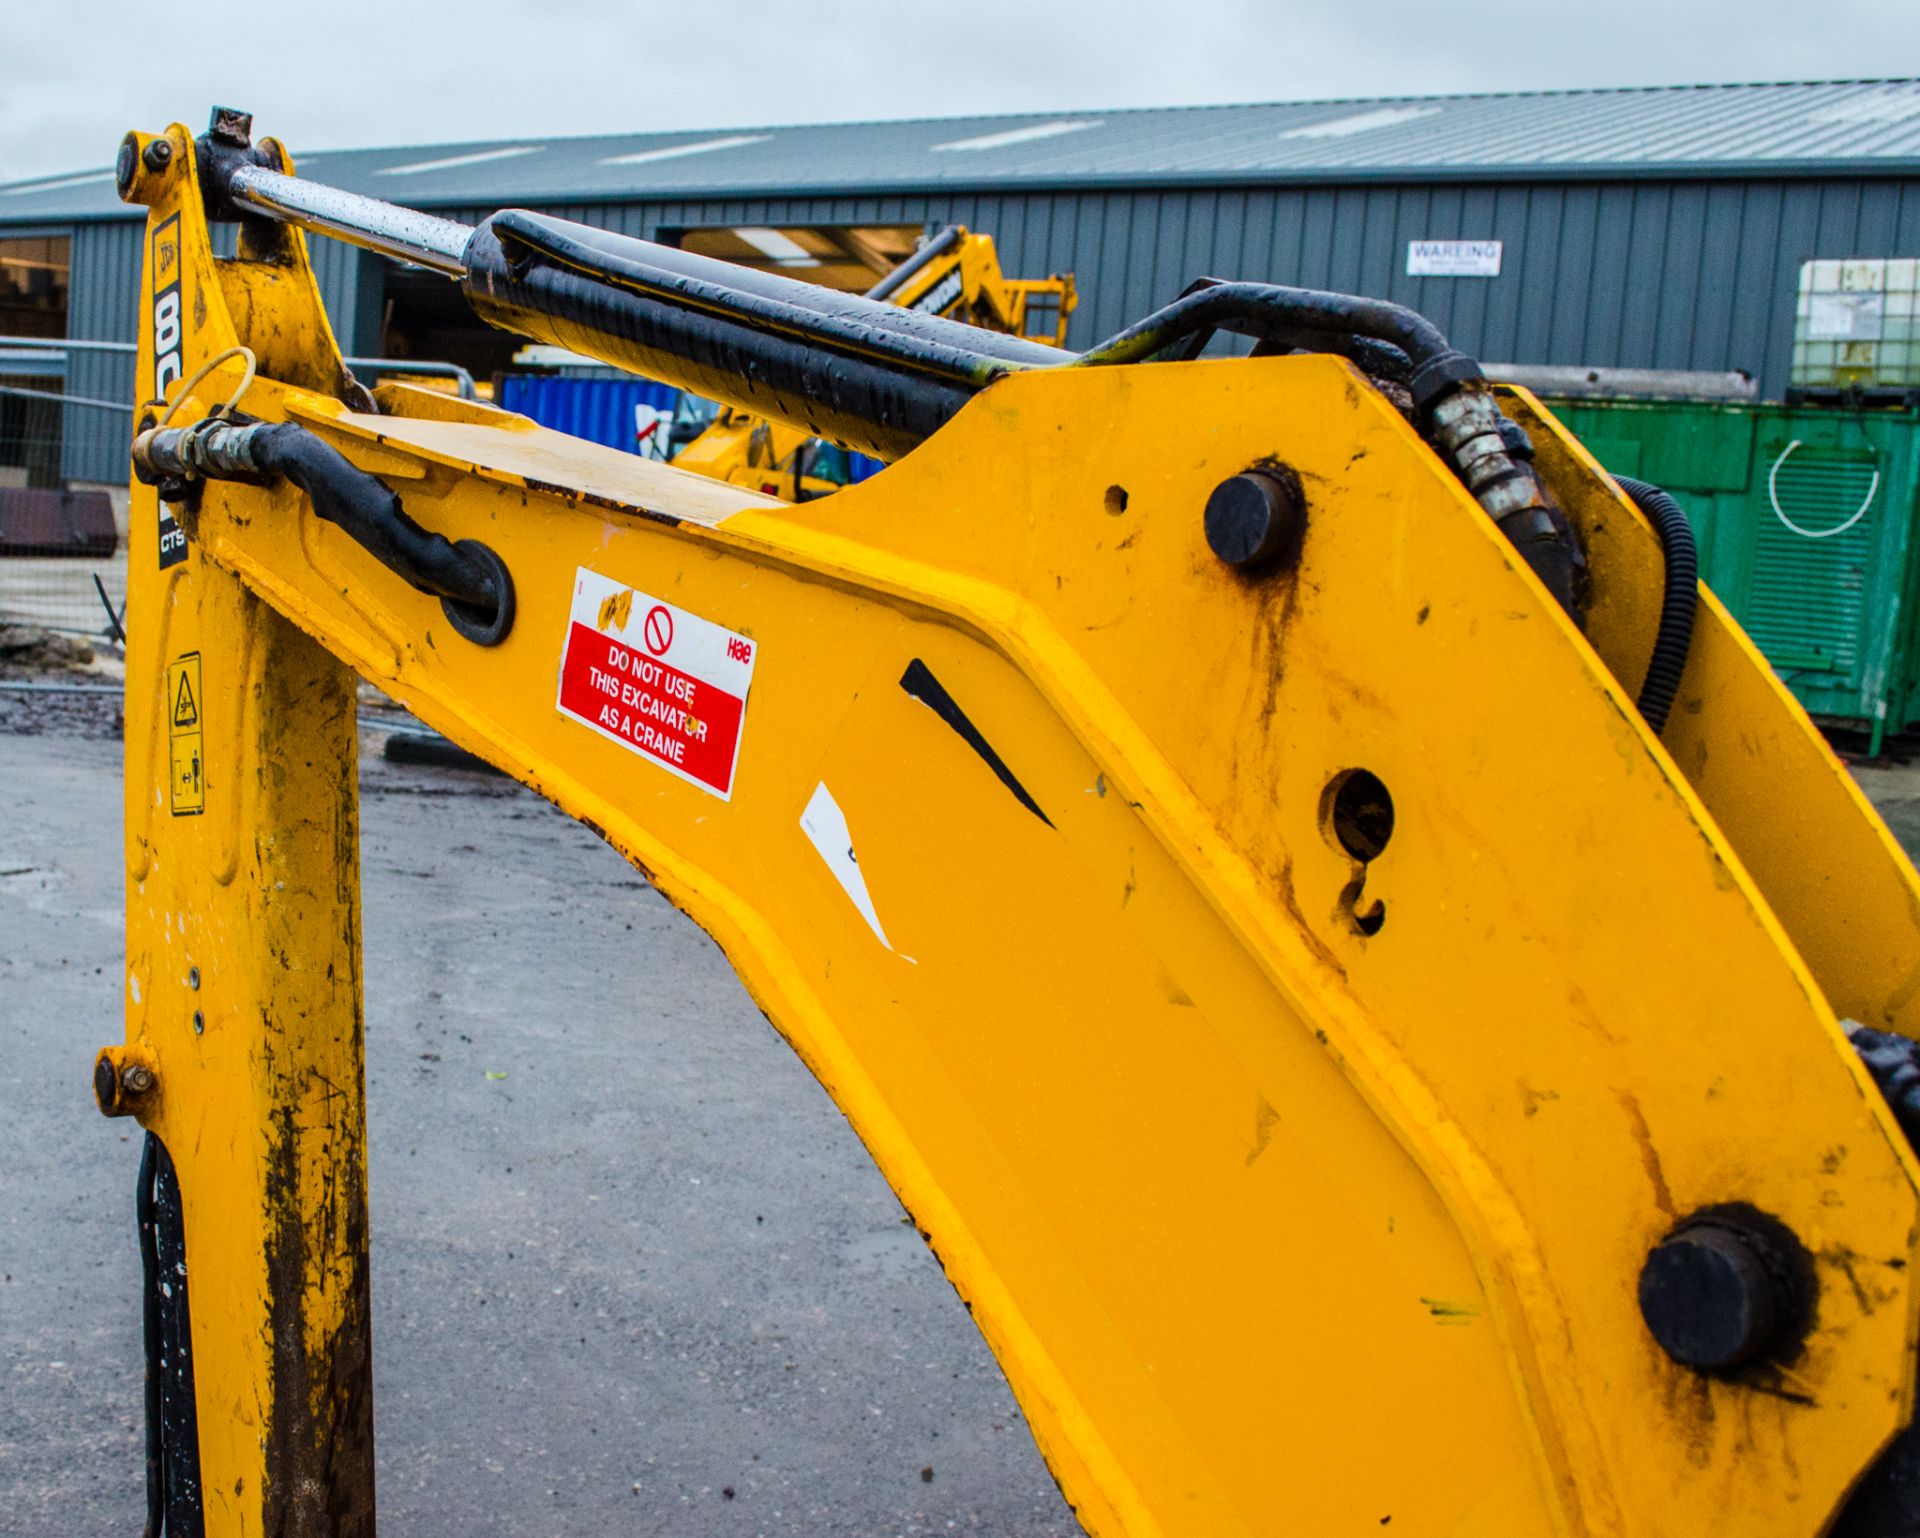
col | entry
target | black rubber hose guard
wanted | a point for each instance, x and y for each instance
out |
(1681, 599)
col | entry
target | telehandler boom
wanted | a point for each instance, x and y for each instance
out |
(1209, 824)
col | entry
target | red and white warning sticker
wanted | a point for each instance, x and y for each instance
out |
(658, 680)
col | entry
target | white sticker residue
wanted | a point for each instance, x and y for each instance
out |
(826, 828)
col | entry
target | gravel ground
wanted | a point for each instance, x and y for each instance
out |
(632, 1272)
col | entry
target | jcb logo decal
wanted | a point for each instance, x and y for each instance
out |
(941, 297)
(166, 359)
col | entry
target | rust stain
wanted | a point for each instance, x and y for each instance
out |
(573, 496)
(1649, 1155)
(1585, 1015)
(1283, 886)
(1842, 1260)
(319, 1433)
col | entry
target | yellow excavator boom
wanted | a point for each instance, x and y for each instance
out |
(1198, 820)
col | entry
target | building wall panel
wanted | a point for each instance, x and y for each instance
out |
(103, 305)
(1637, 273)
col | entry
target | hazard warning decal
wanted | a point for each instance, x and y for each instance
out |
(658, 680)
(187, 768)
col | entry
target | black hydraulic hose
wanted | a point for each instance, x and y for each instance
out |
(1379, 360)
(872, 377)
(150, 1334)
(365, 508)
(1452, 405)
(1674, 639)
(769, 302)
(471, 582)
(865, 374)
(1300, 317)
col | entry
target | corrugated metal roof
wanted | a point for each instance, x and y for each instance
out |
(1859, 126)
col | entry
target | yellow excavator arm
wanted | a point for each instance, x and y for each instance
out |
(954, 274)
(1208, 824)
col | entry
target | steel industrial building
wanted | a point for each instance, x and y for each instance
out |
(1656, 228)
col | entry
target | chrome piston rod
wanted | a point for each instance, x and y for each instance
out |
(402, 233)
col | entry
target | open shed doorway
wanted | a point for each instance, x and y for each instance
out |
(848, 257)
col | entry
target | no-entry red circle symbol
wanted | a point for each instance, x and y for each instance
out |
(658, 630)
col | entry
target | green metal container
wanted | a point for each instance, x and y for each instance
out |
(1805, 519)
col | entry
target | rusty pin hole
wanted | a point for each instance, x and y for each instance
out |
(1357, 813)
(1116, 501)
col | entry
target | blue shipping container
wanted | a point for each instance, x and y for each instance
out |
(601, 410)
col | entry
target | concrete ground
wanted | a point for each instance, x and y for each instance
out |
(632, 1272)
(1895, 789)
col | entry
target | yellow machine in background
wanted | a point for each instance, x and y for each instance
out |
(956, 275)
(1215, 828)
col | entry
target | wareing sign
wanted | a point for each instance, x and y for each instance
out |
(1453, 258)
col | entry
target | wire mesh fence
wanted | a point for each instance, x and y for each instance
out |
(63, 458)
(63, 542)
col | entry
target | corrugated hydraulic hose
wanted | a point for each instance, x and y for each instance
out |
(1681, 598)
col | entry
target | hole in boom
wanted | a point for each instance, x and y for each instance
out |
(1360, 812)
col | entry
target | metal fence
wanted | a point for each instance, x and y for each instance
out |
(63, 560)
(77, 596)
(61, 568)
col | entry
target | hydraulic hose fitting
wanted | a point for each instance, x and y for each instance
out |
(1494, 459)
(470, 580)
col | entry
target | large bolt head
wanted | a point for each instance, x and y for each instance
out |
(1256, 519)
(106, 1085)
(1719, 1292)
(126, 165)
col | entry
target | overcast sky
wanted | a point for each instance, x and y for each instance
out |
(321, 74)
